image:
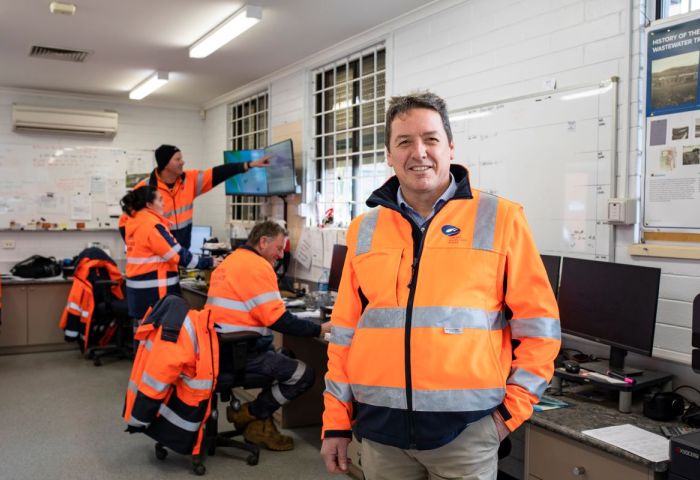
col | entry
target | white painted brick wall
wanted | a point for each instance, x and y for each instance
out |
(480, 51)
(140, 127)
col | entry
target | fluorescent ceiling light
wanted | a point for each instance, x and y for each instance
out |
(470, 115)
(227, 30)
(62, 8)
(588, 93)
(148, 86)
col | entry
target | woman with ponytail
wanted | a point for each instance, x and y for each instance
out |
(152, 253)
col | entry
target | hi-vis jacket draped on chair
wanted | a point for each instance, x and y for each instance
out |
(173, 377)
(77, 316)
(422, 328)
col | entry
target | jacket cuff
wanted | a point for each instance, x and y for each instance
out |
(337, 434)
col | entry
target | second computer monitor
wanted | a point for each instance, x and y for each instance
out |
(200, 233)
(552, 264)
(337, 261)
(611, 303)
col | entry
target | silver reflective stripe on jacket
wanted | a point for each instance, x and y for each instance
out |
(189, 326)
(485, 226)
(152, 283)
(366, 231)
(529, 381)
(226, 328)
(454, 400)
(339, 390)
(200, 184)
(156, 385)
(433, 317)
(76, 307)
(342, 335)
(539, 327)
(244, 306)
(178, 211)
(177, 420)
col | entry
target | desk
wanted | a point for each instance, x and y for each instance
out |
(554, 444)
(30, 315)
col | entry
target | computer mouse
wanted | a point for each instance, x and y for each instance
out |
(572, 366)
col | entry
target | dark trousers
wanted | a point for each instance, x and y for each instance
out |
(292, 378)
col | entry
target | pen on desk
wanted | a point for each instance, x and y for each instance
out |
(620, 376)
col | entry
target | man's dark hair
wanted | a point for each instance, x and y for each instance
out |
(264, 229)
(402, 104)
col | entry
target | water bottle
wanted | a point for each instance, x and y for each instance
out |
(323, 288)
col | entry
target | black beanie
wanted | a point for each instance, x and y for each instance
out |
(163, 155)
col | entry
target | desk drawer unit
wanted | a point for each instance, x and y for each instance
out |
(550, 456)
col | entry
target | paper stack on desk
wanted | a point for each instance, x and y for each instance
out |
(641, 442)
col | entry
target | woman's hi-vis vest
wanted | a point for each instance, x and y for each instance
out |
(243, 294)
(421, 337)
(77, 315)
(152, 260)
(178, 201)
(174, 376)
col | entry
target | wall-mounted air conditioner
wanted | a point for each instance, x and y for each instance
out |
(27, 118)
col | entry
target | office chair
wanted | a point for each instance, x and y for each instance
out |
(96, 310)
(234, 351)
(110, 321)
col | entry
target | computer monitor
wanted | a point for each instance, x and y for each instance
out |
(337, 262)
(200, 233)
(277, 179)
(611, 303)
(552, 264)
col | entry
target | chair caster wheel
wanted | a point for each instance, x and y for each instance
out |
(161, 452)
(252, 459)
(199, 469)
(97, 362)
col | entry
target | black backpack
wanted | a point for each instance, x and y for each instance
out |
(36, 266)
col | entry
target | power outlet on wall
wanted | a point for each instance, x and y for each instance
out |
(8, 244)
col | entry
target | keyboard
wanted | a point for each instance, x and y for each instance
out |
(676, 430)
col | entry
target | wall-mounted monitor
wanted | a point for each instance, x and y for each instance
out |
(277, 179)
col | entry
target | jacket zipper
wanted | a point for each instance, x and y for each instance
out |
(407, 338)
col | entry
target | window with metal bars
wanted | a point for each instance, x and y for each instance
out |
(248, 130)
(670, 8)
(347, 153)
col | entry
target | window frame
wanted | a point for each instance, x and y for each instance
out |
(344, 94)
(240, 136)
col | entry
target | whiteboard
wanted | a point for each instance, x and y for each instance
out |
(554, 154)
(64, 186)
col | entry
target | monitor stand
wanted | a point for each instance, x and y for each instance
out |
(604, 368)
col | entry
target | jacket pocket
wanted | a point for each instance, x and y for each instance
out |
(377, 273)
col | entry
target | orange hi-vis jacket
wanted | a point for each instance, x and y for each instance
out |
(243, 294)
(178, 201)
(77, 315)
(152, 260)
(174, 376)
(422, 327)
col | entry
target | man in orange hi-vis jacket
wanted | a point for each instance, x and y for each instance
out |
(439, 279)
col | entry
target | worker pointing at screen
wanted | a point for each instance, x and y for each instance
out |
(179, 187)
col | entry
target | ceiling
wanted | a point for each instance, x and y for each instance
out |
(130, 39)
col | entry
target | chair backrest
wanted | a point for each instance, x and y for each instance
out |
(235, 349)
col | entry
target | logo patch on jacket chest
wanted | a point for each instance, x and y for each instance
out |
(450, 230)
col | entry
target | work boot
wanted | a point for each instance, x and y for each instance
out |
(241, 418)
(264, 433)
